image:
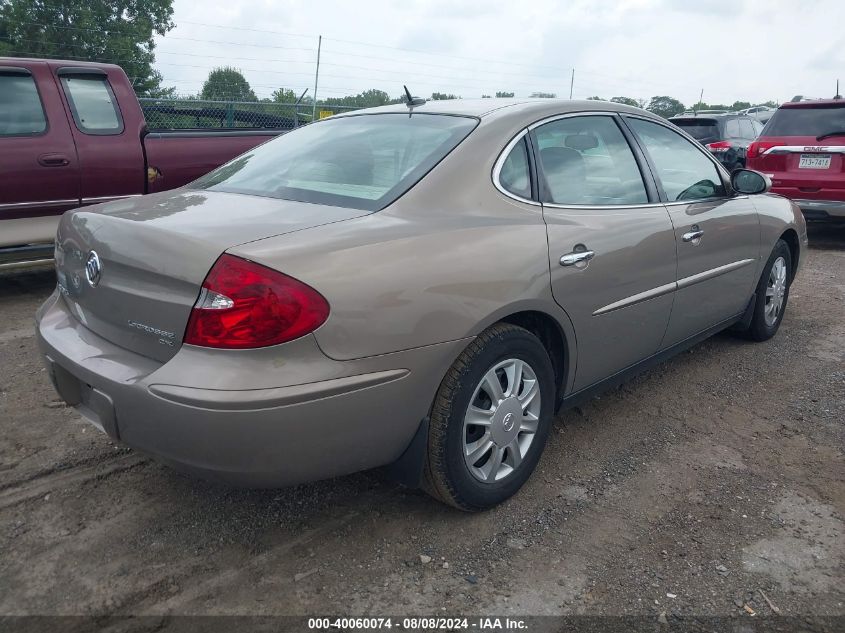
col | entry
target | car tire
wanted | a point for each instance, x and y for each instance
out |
(774, 284)
(461, 469)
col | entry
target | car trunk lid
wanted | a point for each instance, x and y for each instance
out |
(131, 270)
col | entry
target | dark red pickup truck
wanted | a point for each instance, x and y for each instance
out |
(72, 134)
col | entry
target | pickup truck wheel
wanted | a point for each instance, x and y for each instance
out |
(490, 419)
(772, 294)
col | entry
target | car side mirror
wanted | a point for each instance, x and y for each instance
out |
(750, 182)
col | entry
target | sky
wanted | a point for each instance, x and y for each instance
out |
(749, 50)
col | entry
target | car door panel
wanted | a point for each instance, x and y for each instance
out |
(717, 236)
(620, 301)
(596, 201)
(716, 272)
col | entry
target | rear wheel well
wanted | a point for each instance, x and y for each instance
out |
(791, 238)
(545, 328)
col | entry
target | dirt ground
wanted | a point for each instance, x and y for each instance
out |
(697, 488)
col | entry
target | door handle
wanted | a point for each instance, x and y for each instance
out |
(53, 160)
(576, 257)
(693, 235)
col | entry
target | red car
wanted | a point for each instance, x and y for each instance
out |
(802, 149)
(73, 134)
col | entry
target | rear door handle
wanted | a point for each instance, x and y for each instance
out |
(53, 160)
(576, 257)
(693, 235)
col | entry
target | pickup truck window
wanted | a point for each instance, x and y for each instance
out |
(93, 104)
(360, 161)
(21, 113)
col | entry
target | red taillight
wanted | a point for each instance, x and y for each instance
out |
(245, 305)
(756, 149)
(719, 146)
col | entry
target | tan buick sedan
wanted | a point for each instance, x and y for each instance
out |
(418, 286)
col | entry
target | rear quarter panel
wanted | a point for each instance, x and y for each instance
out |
(182, 157)
(778, 215)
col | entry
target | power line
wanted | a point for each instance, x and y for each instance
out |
(565, 71)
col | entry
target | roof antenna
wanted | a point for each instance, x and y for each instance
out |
(412, 101)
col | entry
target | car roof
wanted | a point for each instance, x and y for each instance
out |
(709, 115)
(55, 63)
(505, 108)
(809, 103)
(696, 119)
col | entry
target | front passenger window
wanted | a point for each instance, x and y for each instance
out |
(684, 171)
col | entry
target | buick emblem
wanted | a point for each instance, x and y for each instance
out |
(507, 423)
(93, 269)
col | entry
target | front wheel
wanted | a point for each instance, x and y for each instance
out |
(772, 294)
(490, 419)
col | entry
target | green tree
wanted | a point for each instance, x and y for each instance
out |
(504, 95)
(595, 98)
(284, 95)
(665, 106)
(626, 101)
(741, 105)
(440, 96)
(227, 84)
(544, 95)
(113, 31)
(367, 99)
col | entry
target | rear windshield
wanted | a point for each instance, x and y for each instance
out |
(698, 129)
(363, 162)
(806, 121)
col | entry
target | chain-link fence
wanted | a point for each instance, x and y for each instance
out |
(182, 114)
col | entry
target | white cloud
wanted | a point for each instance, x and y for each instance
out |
(753, 50)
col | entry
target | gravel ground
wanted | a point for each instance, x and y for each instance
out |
(697, 488)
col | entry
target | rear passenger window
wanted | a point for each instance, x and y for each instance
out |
(21, 113)
(732, 129)
(685, 172)
(93, 104)
(515, 175)
(587, 161)
(747, 128)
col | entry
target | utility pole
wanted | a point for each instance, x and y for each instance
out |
(571, 84)
(316, 78)
(700, 101)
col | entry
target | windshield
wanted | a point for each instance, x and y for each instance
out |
(804, 121)
(363, 162)
(699, 129)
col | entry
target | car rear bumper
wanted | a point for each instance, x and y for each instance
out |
(310, 418)
(822, 209)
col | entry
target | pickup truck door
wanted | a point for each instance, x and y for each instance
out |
(611, 243)
(717, 234)
(37, 156)
(106, 124)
